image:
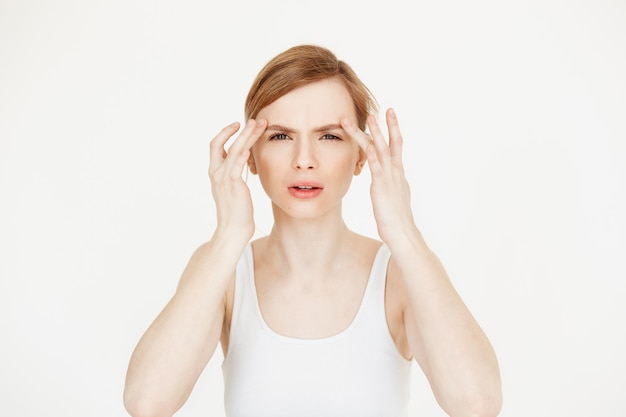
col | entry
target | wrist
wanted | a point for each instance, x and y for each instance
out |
(228, 240)
(228, 235)
(408, 241)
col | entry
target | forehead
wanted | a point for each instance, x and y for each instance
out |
(318, 103)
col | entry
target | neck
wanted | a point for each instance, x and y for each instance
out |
(303, 246)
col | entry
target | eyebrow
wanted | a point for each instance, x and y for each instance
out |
(280, 128)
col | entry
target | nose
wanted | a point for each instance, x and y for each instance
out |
(304, 158)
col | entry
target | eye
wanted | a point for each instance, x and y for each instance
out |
(279, 136)
(329, 136)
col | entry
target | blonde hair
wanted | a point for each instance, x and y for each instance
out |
(301, 65)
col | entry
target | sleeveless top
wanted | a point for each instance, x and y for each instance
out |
(357, 372)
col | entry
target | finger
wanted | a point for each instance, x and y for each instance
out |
(216, 147)
(395, 137)
(382, 149)
(236, 165)
(248, 137)
(367, 144)
(239, 144)
(258, 131)
(362, 139)
(374, 163)
(240, 150)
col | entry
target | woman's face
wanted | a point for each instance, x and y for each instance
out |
(304, 159)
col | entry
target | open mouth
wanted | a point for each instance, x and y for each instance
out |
(305, 191)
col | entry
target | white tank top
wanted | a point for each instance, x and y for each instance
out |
(358, 372)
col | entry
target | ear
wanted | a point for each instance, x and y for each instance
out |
(360, 162)
(252, 164)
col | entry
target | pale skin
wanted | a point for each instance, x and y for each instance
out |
(311, 259)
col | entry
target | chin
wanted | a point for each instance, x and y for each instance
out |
(306, 211)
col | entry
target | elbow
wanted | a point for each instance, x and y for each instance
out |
(142, 406)
(480, 402)
(482, 405)
(485, 408)
(138, 409)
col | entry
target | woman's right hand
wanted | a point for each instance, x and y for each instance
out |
(162, 370)
(231, 194)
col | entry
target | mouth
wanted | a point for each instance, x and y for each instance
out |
(305, 191)
(305, 187)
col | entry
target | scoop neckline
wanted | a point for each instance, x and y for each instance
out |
(340, 334)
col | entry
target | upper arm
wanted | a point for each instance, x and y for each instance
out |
(403, 328)
(395, 304)
(228, 302)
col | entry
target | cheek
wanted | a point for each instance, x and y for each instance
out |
(268, 164)
(261, 157)
(352, 159)
(347, 163)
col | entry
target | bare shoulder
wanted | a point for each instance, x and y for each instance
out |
(395, 294)
(365, 248)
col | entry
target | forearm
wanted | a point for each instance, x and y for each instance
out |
(175, 348)
(459, 359)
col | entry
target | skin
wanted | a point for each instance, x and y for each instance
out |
(312, 260)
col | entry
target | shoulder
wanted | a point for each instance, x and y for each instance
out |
(365, 247)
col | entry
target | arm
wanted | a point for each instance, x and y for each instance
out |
(445, 339)
(447, 342)
(174, 350)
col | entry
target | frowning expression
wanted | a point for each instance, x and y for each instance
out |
(304, 159)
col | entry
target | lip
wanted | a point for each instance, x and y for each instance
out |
(305, 189)
(312, 184)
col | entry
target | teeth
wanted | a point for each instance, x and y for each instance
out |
(305, 187)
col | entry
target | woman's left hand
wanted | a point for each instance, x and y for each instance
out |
(390, 193)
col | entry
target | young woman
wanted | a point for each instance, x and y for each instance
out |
(314, 319)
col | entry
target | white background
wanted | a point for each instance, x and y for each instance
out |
(514, 116)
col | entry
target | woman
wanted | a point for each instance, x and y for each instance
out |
(313, 319)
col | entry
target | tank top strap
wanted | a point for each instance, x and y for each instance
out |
(244, 298)
(372, 311)
(379, 272)
(358, 372)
